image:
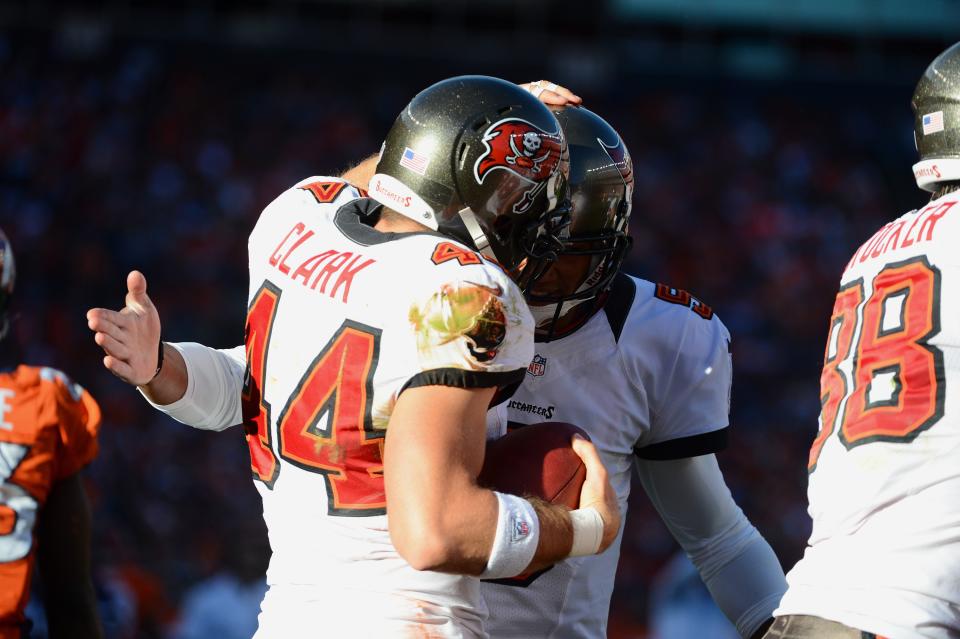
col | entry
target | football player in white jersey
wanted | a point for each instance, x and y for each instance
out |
(379, 331)
(883, 559)
(645, 369)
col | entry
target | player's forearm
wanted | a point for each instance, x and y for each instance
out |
(170, 384)
(63, 534)
(749, 586)
(734, 561)
(440, 519)
(556, 535)
(445, 526)
(204, 386)
(454, 531)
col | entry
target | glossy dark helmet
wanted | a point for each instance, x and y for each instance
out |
(483, 161)
(597, 240)
(8, 277)
(936, 121)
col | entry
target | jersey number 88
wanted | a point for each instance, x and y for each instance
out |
(897, 386)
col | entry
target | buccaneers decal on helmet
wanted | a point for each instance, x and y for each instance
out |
(528, 152)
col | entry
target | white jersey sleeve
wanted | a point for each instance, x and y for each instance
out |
(214, 382)
(679, 356)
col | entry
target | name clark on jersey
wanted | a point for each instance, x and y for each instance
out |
(317, 269)
(902, 233)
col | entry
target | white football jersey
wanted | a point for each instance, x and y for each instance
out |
(884, 485)
(342, 318)
(648, 376)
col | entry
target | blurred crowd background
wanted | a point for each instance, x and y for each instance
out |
(769, 141)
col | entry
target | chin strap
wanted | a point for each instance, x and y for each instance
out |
(476, 233)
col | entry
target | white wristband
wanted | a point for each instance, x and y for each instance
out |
(516, 539)
(587, 531)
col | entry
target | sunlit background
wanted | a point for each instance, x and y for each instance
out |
(769, 137)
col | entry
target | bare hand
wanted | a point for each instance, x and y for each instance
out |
(597, 491)
(129, 337)
(552, 94)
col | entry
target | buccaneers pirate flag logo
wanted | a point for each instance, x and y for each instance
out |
(516, 146)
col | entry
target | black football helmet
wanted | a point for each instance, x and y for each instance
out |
(601, 191)
(483, 161)
(936, 121)
(8, 277)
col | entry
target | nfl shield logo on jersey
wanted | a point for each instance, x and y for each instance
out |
(538, 366)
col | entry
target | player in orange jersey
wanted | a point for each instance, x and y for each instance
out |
(48, 432)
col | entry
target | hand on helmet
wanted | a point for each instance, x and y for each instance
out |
(552, 94)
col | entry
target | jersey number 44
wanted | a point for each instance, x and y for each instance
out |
(325, 426)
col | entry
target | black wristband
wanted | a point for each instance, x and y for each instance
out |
(159, 360)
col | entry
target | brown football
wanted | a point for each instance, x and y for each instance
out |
(536, 460)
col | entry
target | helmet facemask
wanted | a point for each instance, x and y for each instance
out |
(606, 252)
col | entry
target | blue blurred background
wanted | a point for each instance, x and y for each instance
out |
(769, 137)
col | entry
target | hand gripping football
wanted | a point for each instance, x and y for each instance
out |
(538, 461)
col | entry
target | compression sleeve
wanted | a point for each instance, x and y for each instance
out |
(214, 385)
(736, 564)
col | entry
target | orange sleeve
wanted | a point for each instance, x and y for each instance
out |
(78, 417)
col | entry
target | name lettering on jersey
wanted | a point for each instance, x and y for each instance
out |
(542, 411)
(5, 394)
(317, 270)
(902, 234)
(683, 298)
(300, 238)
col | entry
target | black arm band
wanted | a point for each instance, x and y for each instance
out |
(159, 360)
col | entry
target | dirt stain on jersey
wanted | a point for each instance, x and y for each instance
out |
(469, 311)
(329, 449)
(424, 625)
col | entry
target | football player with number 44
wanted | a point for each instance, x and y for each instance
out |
(645, 369)
(379, 331)
(883, 559)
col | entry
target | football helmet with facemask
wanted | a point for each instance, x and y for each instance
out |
(936, 121)
(597, 240)
(483, 161)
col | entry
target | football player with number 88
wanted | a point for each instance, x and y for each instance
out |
(883, 559)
